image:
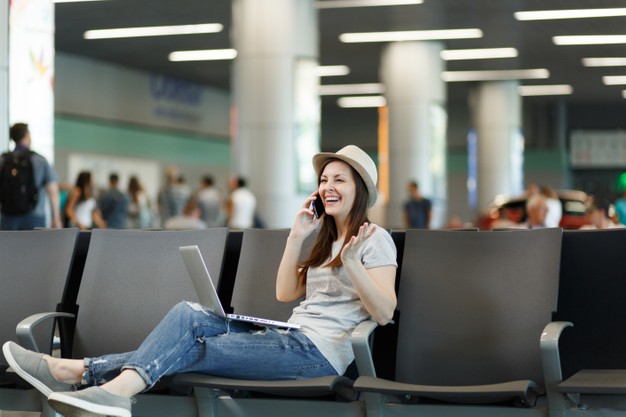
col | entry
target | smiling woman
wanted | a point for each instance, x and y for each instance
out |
(355, 282)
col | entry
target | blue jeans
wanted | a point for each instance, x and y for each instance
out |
(192, 339)
(21, 222)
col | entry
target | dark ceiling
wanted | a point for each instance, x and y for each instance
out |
(494, 17)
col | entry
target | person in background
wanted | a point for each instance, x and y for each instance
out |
(348, 278)
(555, 208)
(241, 205)
(456, 222)
(620, 208)
(536, 211)
(64, 192)
(188, 220)
(210, 201)
(113, 205)
(174, 195)
(139, 211)
(417, 209)
(45, 181)
(597, 217)
(81, 208)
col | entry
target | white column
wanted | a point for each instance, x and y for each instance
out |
(4, 75)
(416, 97)
(276, 103)
(496, 115)
(31, 71)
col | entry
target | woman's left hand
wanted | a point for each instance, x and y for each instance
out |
(350, 250)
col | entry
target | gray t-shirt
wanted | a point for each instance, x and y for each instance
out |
(332, 308)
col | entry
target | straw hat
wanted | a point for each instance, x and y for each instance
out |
(357, 159)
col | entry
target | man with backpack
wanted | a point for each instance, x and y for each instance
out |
(26, 179)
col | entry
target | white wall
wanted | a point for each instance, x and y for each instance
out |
(99, 90)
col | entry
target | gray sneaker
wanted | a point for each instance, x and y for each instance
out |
(90, 402)
(33, 368)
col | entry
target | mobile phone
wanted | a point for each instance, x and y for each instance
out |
(318, 207)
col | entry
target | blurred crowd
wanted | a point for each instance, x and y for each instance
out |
(178, 205)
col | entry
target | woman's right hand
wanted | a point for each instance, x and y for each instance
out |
(289, 286)
(305, 222)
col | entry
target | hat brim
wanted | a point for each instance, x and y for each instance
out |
(320, 159)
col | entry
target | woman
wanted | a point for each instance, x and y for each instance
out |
(139, 214)
(81, 208)
(348, 278)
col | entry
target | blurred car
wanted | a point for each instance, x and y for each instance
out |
(512, 210)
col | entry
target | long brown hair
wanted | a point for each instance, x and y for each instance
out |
(134, 188)
(322, 249)
(83, 183)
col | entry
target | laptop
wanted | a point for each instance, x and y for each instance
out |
(207, 294)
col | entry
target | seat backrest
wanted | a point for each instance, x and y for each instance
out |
(229, 272)
(131, 280)
(254, 292)
(34, 267)
(70, 293)
(386, 337)
(591, 296)
(473, 305)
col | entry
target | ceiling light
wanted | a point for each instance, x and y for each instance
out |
(614, 80)
(521, 74)
(488, 53)
(361, 102)
(605, 62)
(332, 70)
(135, 32)
(203, 55)
(345, 89)
(71, 1)
(410, 35)
(589, 39)
(545, 90)
(338, 4)
(624, 93)
(569, 14)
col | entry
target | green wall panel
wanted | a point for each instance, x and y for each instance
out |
(81, 135)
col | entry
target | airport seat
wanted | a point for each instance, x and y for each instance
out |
(254, 293)
(473, 307)
(386, 337)
(34, 270)
(131, 279)
(70, 293)
(229, 271)
(591, 296)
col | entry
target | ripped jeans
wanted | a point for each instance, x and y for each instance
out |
(192, 339)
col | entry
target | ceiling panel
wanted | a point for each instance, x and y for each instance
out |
(493, 17)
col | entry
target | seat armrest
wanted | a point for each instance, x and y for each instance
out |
(551, 361)
(25, 328)
(361, 339)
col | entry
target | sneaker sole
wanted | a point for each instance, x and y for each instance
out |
(75, 407)
(40, 386)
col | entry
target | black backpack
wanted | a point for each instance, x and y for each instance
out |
(18, 192)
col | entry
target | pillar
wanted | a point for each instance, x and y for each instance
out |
(4, 75)
(277, 107)
(31, 71)
(497, 115)
(416, 97)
